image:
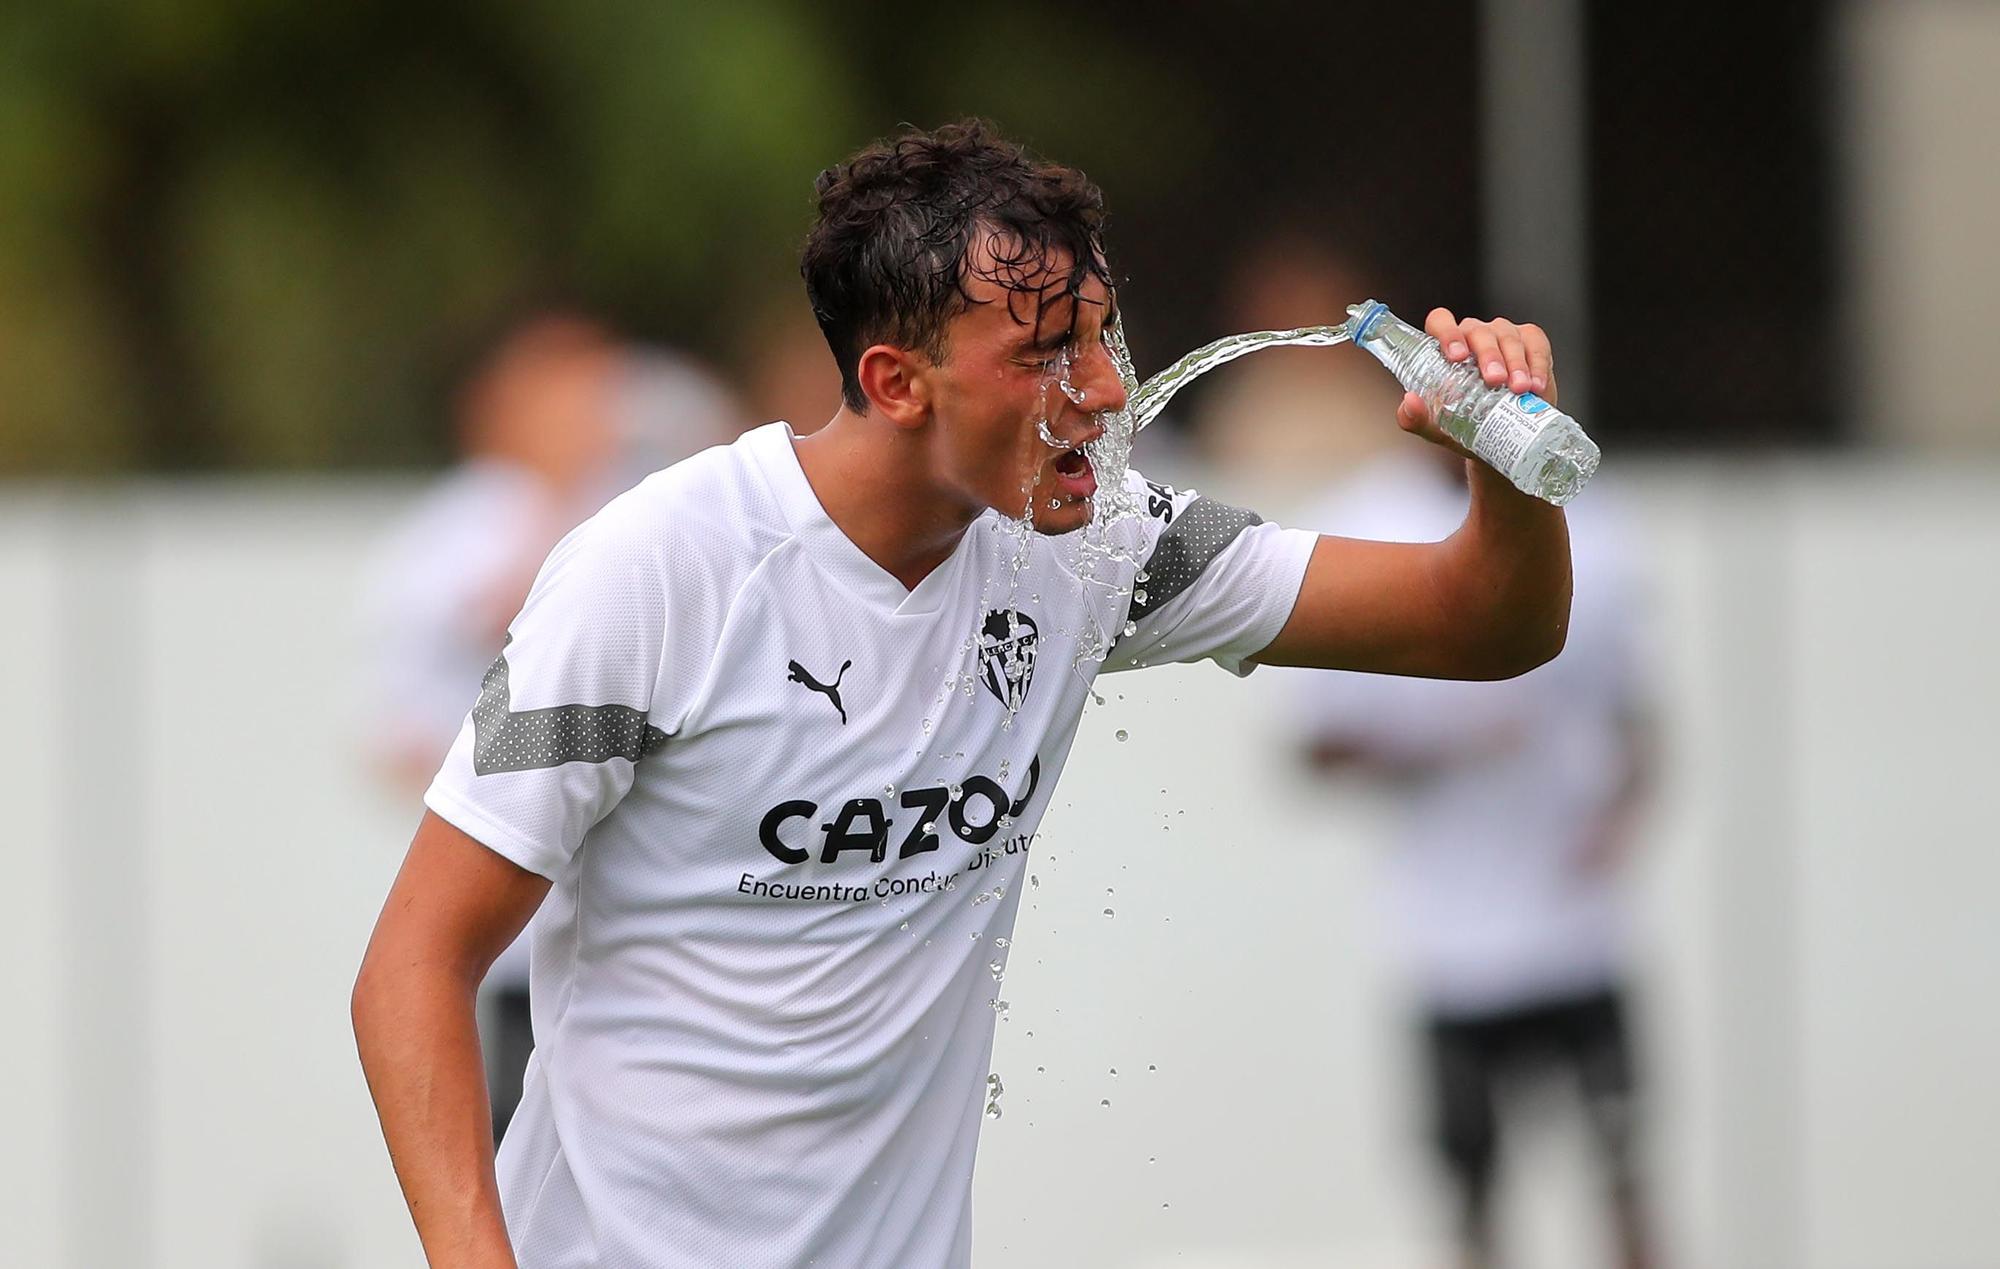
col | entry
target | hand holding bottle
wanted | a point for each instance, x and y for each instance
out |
(1511, 355)
(1476, 387)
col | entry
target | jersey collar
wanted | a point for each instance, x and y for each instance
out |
(831, 549)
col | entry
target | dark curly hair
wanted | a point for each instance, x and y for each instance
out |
(887, 258)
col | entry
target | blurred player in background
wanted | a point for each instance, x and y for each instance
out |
(556, 417)
(1506, 890)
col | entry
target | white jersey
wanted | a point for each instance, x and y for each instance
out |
(1488, 895)
(786, 806)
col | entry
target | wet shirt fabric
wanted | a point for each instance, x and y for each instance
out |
(786, 805)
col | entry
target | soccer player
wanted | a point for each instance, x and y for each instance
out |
(774, 731)
(1505, 892)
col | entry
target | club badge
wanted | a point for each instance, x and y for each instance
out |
(1007, 656)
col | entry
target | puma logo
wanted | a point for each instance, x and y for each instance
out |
(829, 690)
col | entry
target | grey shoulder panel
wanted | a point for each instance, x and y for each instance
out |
(1185, 549)
(533, 739)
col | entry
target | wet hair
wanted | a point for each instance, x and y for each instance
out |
(889, 257)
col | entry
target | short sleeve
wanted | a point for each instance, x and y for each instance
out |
(564, 712)
(1216, 583)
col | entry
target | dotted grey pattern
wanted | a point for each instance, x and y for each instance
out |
(538, 738)
(1187, 547)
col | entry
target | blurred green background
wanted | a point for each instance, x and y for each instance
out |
(265, 234)
(238, 233)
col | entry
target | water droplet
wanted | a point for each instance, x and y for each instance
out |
(957, 792)
(999, 942)
(1139, 596)
(888, 790)
(997, 969)
(927, 727)
(1105, 1102)
(1109, 912)
(1123, 734)
(1040, 1070)
(994, 1088)
(1142, 576)
(930, 828)
(1151, 1067)
(1114, 1072)
(1055, 504)
(1034, 882)
(1131, 628)
(904, 926)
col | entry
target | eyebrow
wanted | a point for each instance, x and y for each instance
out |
(1061, 334)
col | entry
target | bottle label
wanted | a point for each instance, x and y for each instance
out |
(1508, 430)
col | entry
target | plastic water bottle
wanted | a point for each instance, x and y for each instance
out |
(1524, 438)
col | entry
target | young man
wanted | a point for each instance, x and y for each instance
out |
(774, 731)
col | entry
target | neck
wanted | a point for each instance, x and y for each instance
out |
(874, 481)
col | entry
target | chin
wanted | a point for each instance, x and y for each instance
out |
(1067, 518)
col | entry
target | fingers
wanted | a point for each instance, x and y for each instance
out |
(1444, 328)
(1510, 355)
(1541, 359)
(1513, 355)
(1413, 415)
(1496, 350)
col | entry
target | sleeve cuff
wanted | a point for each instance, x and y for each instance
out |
(1287, 578)
(493, 835)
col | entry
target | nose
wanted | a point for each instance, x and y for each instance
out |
(1097, 377)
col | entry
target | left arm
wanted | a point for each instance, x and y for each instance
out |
(1489, 602)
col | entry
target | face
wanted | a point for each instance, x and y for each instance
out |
(1002, 378)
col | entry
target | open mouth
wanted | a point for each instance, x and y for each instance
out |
(1074, 475)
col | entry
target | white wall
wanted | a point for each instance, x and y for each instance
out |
(195, 859)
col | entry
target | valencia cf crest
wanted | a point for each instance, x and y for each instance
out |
(1007, 656)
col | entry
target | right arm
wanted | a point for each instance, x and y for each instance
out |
(454, 907)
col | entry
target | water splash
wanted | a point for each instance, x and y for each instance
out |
(1145, 403)
(1101, 560)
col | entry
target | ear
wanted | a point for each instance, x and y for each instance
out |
(896, 382)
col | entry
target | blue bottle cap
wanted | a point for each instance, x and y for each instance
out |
(1364, 317)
